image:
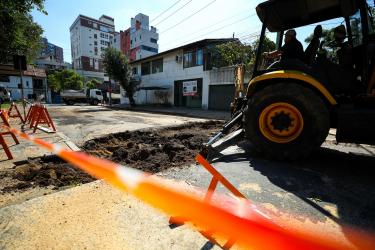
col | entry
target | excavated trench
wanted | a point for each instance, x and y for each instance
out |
(151, 151)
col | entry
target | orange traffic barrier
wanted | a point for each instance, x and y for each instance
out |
(232, 218)
(39, 115)
(216, 179)
(30, 113)
(5, 118)
(12, 107)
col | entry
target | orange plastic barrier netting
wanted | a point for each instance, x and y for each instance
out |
(230, 218)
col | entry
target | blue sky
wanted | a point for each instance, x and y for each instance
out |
(221, 18)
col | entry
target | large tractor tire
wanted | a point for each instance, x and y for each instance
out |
(286, 121)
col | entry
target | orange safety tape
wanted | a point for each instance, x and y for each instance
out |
(228, 217)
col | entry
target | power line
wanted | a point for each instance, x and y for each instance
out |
(173, 13)
(207, 27)
(188, 17)
(170, 7)
(241, 20)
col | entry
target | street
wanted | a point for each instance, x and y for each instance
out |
(332, 191)
(83, 122)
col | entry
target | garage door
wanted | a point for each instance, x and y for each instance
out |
(220, 96)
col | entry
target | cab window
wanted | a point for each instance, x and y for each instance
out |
(371, 14)
(356, 26)
(98, 92)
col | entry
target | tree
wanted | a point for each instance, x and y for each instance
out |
(19, 33)
(267, 46)
(117, 67)
(328, 38)
(92, 84)
(65, 79)
(231, 53)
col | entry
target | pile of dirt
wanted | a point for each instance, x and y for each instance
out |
(44, 172)
(151, 151)
(154, 150)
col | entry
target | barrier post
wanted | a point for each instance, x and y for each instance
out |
(29, 113)
(5, 119)
(5, 147)
(216, 178)
(42, 117)
(18, 114)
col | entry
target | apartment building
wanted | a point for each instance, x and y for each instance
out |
(89, 37)
(51, 57)
(52, 51)
(140, 40)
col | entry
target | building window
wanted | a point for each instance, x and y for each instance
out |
(95, 36)
(199, 57)
(114, 40)
(189, 59)
(95, 43)
(193, 58)
(157, 66)
(4, 78)
(153, 40)
(135, 70)
(145, 68)
(95, 25)
(147, 48)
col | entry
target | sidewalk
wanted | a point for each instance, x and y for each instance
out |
(180, 111)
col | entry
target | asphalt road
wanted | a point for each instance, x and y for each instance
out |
(84, 122)
(336, 182)
(331, 191)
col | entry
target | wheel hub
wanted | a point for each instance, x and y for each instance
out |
(281, 122)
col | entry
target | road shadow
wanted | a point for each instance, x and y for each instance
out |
(93, 110)
(328, 177)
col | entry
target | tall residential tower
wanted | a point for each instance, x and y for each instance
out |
(140, 40)
(89, 37)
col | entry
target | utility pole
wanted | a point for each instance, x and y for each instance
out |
(19, 62)
(110, 92)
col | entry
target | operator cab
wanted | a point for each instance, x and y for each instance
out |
(344, 59)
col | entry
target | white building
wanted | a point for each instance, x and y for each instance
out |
(89, 37)
(34, 82)
(140, 40)
(183, 77)
(116, 43)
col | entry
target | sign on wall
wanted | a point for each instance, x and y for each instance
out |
(190, 88)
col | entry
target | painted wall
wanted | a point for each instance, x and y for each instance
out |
(12, 86)
(172, 71)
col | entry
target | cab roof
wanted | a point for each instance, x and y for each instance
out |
(279, 15)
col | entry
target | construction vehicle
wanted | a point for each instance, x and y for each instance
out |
(287, 110)
(91, 96)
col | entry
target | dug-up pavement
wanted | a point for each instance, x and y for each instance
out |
(330, 190)
(94, 215)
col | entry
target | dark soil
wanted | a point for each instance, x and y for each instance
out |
(43, 172)
(151, 151)
(154, 150)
